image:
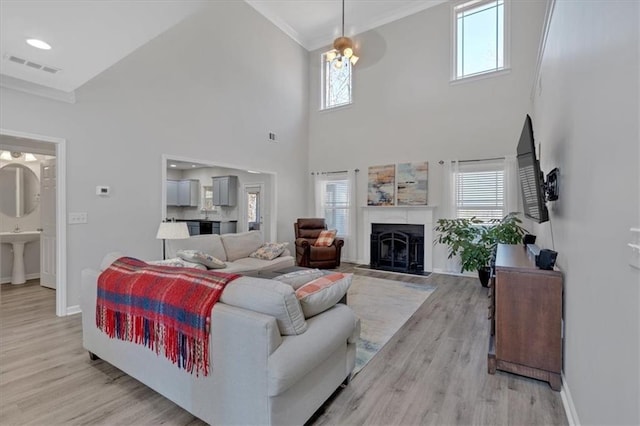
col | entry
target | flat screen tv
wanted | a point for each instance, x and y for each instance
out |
(531, 178)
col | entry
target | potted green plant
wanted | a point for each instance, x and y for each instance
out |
(475, 240)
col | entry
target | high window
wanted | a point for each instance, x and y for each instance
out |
(336, 83)
(481, 34)
(480, 190)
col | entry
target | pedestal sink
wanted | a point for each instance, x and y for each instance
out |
(18, 240)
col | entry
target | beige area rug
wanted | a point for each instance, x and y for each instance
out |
(383, 306)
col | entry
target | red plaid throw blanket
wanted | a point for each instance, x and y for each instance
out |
(161, 307)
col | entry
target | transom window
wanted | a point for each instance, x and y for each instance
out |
(480, 31)
(336, 83)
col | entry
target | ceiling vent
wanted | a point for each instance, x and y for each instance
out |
(31, 64)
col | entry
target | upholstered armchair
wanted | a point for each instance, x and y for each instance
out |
(308, 255)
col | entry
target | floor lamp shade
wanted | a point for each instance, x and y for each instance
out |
(171, 231)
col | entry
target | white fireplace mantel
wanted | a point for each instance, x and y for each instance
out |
(409, 215)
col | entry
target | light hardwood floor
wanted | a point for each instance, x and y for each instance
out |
(433, 371)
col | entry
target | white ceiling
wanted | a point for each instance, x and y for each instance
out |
(89, 36)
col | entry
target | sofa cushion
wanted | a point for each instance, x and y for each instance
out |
(297, 279)
(208, 243)
(326, 237)
(322, 293)
(237, 246)
(196, 256)
(267, 297)
(269, 251)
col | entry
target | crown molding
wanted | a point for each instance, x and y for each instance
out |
(410, 9)
(275, 20)
(13, 83)
(551, 5)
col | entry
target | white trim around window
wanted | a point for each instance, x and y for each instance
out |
(462, 6)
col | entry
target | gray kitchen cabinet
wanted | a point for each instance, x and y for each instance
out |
(183, 193)
(228, 227)
(172, 192)
(225, 190)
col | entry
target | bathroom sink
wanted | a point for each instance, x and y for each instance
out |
(18, 240)
(19, 237)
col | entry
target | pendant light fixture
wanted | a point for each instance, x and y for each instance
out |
(342, 49)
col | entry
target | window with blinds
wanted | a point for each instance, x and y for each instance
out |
(480, 190)
(335, 204)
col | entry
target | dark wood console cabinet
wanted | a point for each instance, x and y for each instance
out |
(525, 311)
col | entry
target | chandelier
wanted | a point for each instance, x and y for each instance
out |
(342, 49)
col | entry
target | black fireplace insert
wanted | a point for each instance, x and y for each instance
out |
(397, 247)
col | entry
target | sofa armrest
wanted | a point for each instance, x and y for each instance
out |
(338, 242)
(298, 355)
(302, 242)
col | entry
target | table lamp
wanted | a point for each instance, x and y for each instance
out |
(171, 231)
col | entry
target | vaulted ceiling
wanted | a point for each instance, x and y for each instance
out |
(88, 36)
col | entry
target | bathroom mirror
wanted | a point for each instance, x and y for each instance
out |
(20, 190)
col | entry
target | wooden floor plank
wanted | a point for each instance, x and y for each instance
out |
(433, 371)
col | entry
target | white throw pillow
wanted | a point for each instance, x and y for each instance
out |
(197, 256)
(322, 293)
(297, 279)
(176, 262)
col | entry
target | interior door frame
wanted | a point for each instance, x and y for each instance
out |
(273, 188)
(244, 208)
(61, 216)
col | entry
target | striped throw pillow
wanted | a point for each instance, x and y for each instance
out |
(326, 237)
(322, 293)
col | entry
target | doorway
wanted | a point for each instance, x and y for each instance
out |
(55, 236)
(264, 185)
(253, 217)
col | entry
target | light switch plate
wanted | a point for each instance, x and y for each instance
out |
(78, 218)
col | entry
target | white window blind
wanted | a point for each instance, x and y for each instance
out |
(479, 190)
(335, 205)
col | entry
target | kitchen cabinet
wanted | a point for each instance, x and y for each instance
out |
(225, 190)
(172, 192)
(201, 227)
(224, 227)
(183, 193)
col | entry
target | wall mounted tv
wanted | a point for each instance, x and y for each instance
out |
(531, 178)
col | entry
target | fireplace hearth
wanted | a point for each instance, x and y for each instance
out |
(397, 247)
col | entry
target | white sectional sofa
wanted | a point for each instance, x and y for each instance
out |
(269, 364)
(233, 249)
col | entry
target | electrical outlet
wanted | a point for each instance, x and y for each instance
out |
(272, 137)
(78, 218)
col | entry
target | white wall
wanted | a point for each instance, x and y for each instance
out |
(187, 93)
(586, 120)
(405, 109)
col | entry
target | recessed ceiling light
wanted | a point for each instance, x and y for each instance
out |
(38, 44)
(193, 165)
(253, 171)
(173, 165)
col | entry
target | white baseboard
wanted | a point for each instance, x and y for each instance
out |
(7, 280)
(72, 310)
(567, 402)
(455, 274)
